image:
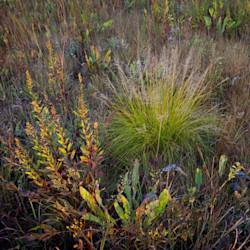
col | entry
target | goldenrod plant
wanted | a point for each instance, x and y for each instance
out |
(52, 161)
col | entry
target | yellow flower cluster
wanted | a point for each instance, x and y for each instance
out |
(76, 228)
(29, 82)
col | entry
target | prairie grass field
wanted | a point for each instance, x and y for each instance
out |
(125, 124)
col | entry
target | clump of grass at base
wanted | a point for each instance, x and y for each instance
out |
(166, 113)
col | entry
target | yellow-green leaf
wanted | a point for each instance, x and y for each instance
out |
(93, 218)
(91, 202)
(120, 212)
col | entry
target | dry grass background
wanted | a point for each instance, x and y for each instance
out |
(103, 52)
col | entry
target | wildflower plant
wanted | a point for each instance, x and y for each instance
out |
(51, 160)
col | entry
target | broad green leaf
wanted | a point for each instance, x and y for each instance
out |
(93, 218)
(108, 24)
(157, 207)
(198, 178)
(211, 11)
(164, 199)
(126, 205)
(208, 21)
(120, 212)
(91, 202)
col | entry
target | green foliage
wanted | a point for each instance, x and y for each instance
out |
(131, 209)
(107, 24)
(55, 185)
(96, 61)
(224, 16)
(208, 22)
(123, 212)
(163, 115)
(99, 214)
(57, 167)
(129, 196)
(156, 208)
(198, 178)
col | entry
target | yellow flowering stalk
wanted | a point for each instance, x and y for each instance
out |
(25, 163)
(91, 152)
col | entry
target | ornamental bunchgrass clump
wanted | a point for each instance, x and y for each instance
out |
(162, 110)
